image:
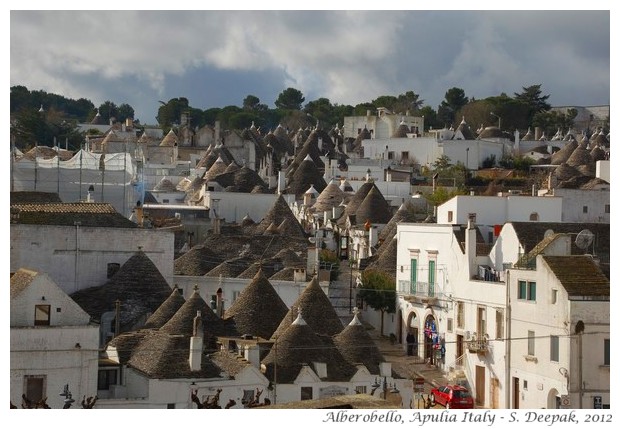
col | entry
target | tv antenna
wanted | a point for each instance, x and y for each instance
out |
(584, 239)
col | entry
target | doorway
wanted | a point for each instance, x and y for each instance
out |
(480, 385)
(515, 393)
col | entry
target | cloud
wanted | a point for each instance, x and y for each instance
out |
(347, 56)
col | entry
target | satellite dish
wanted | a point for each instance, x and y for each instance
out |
(548, 233)
(584, 239)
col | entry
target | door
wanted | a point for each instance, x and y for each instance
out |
(459, 347)
(516, 394)
(480, 385)
(494, 393)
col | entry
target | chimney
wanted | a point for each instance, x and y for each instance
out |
(196, 343)
(308, 198)
(537, 133)
(129, 123)
(139, 213)
(470, 246)
(219, 304)
(299, 275)
(251, 353)
(281, 182)
(517, 140)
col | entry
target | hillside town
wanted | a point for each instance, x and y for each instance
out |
(204, 267)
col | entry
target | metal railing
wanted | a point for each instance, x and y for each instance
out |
(424, 289)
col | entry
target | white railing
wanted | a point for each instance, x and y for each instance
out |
(431, 290)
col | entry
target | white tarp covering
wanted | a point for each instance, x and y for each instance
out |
(114, 180)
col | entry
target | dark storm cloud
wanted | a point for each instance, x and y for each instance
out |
(216, 58)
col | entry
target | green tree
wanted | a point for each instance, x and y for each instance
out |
(532, 97)
(322, 110)
(409, 101)
(252, 102)
(169, 113)
(290, 99)
(125, 111)
(329, 260)
(387, 101)
(379, 291)
(362, 108)
(430, 118)
(454, 100)
(108, 110)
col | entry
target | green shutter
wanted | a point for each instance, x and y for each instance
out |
(414, 275)
(431, 278)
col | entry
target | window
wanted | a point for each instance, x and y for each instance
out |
(606, 354)
(113, 268)
(414, 275)
(460, 314)
(450, 215)
(360, 389)
(531, 342)
(170, 406)
(482, 322)
(608, 208)
(390, 154)
(405, 156)
(106, 378)
(499, 324)
(472, 217)
(531, 291)
(524, 384)
(34, 387)
(526, 290)
(534, 216)
(522, 291)
(431, 278)
(554, 296)
(555, 348)
(306, 393)
(450, 324)
(585, 209)
(41, 315)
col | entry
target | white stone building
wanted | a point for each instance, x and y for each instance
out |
(53, 343)
(80, 245)
(560, 330)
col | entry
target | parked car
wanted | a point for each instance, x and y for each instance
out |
(452, 396)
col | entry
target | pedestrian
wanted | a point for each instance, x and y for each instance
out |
(410, 342)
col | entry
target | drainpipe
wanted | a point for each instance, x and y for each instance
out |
(507, 360)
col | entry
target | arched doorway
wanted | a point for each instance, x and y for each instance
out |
(553, 399)
(399, 317)
(431, 338)
(413, 331)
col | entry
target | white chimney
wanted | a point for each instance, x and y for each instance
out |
(470, 246)
(251, 353)
(281, 182)
(385, 369)
(196, 344)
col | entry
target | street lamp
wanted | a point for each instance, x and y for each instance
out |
(499, 123)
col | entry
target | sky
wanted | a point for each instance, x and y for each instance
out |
(216, 58)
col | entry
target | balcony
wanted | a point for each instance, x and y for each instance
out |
(421, 292)
(479, 344)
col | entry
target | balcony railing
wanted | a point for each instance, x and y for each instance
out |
(423, 289)
(478, 344)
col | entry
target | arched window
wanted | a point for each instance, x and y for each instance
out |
(534, 216)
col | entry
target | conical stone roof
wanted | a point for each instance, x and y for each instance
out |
(198, 261)
(258, 310)
(299, 345)
(317, 310)
(182, 323)
(563, 154)
(357, 346)
(329, 198)
(166, 310)
(374, 208)
(138, 285)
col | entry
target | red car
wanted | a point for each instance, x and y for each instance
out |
(452, 396)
